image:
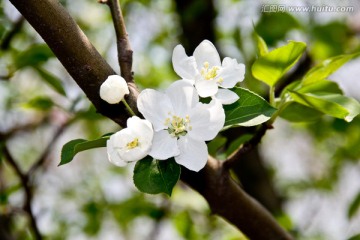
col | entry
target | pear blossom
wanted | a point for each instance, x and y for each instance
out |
(130, 144)
(181, 123)
(204, 69)
(114, 89)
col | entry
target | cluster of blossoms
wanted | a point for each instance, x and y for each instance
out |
(176, 123)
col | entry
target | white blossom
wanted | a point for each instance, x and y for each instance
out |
(205, 70)
(130, 144)
(181, 123)
(114, 89)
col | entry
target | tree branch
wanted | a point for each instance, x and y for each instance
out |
(42, 159)
(75, 52)
(22, 128)
(228, 200)
(28, 193)
(89, 70)
(122, 41)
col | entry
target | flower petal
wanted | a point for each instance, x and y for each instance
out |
(206, 120)
(193, 153)
(112, 153)
(140, 127)
(183, 65)
(231, 72)
(226, 96)
(155, 107)
(183, 96)
(133, 155)
(164, 146)
(206, 88)
(206, 52)
(143, 131)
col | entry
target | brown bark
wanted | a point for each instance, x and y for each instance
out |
(75, 52)
(89, 70)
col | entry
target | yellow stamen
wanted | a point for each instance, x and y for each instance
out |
(209, 74)
(178, 126)
(133, 144)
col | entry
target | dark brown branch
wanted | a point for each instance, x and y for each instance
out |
(228, 200)
(257, 181)
(5, 77)
(75, 52)
(28, 193)
(122, 41)
(248, 146)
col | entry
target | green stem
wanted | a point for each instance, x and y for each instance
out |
(281, 107)
(128, 107)
(272, 96)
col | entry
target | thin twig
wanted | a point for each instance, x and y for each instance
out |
(42, 159)
(247, 147)
(10, 35)
(28, 193)
(6, 77)
(123, 44)
(26, 127)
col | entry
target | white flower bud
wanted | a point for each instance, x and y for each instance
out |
(114, 89)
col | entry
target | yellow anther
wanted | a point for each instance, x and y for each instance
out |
(167, 121)
(178, 126)
(206, 65)
(209, 74)
(220, 80)
(133, 144)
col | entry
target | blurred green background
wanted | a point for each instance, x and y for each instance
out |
(306, 174)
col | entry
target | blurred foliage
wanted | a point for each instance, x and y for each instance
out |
(271, 31)
(82, 200)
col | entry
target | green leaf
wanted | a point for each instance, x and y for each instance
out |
(52, 80)
(326, 68)
(269, 28)
(354, 206)
(270, 68)
(153, 176)
(320, 86)
(296, 112)
(215, 144)
(33, 56)
(249, 110)
(355, 237)
(75, 146)
(335, 105)
(41, 103)
(262, 48)
(292, 86)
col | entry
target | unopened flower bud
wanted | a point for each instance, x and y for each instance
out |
(114, 89)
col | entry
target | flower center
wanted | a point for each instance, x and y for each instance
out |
(210, 73)
(178, 126)
(133, 144)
